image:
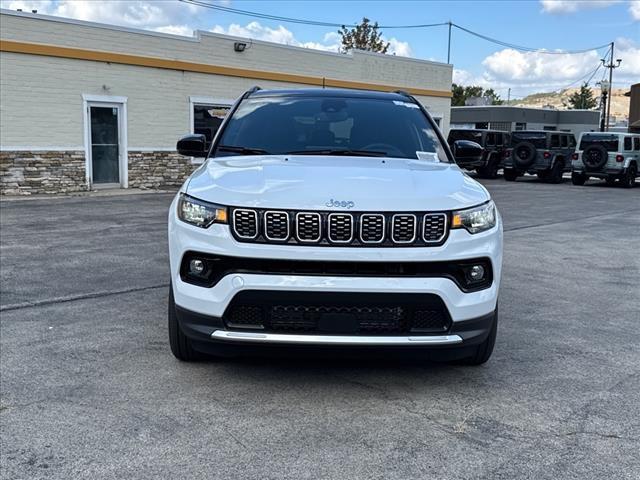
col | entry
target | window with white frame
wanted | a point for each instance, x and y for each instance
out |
(207, 115)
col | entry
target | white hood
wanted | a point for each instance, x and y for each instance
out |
(312, 182)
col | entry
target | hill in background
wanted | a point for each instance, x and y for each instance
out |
(559, 100)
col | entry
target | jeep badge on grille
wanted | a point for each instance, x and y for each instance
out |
(340, 203)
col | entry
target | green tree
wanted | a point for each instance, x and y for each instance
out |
(363, 37)
(582, 99)
(461, 94)
(495, 98)
(458, 98)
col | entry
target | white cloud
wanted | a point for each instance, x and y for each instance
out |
(529, 72)
(184, 30)
(170, 17)
(629, 51)
(571, 6)
(280, 34)
(464, 77)
(533, 67)
(330, 42)
(634, 9)
(396, 47)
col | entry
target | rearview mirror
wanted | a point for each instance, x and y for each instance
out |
(467, 150)
(192, 146)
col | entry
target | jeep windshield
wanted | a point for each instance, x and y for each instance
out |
(323, 125)
(610, 142)
(538, 139)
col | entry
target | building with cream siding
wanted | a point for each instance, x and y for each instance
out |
(86, 105)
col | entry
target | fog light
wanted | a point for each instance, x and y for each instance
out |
(196, 266)
(476, 273)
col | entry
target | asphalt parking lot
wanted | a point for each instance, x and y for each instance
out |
(89, 388)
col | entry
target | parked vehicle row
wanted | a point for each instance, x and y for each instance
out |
(549, 154)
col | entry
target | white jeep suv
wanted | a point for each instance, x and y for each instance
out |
(332, 219)
(608, 155)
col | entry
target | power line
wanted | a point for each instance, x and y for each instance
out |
(266, 16)
(527, 49)
(302, 21)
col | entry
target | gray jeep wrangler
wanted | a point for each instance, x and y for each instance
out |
(611, 156)
(494, 143)
(545, 153)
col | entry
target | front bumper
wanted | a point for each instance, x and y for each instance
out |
(210, 303)
(209, 334)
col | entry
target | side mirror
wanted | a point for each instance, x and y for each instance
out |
(192, 146)
(465, 149)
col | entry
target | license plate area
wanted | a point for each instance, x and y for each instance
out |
(338, 323)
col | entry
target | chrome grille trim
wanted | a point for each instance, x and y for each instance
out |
(424, 225)
(393, 227)
(330, 217)
(350, 229)
(310, 214)
(384, 227)
(255, 219)
(266, 228)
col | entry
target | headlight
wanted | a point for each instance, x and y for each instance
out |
(199, 213)
(476, 219)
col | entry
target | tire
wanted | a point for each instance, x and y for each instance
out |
(578, 178)
(510, 175)
(491, 169)
(523, 155)
(594, 157)
(555, 174)
(179, 343)
(485, 349)
(542, 176)
(628, 180)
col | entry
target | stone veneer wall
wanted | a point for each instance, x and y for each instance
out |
(31, 172)
(158, 169)
(34, 172)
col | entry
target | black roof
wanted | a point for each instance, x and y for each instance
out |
(479, 130)
(330, 92)
(550, 132)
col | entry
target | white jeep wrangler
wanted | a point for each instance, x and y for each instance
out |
(611, 156)
(332, 219)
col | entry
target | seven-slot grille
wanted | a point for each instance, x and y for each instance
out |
(340, 228)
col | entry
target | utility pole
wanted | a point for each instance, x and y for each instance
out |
(449, 45)
(509, 96)
(611, 66)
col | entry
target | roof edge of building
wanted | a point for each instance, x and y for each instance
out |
(198, 34)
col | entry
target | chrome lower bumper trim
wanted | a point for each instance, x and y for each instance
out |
(334, 339)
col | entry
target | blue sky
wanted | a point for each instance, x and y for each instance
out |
(546, 24)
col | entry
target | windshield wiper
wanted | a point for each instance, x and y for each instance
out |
(345, 152)
(242, 150)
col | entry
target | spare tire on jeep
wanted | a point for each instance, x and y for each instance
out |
(594, 157)
(524, 154)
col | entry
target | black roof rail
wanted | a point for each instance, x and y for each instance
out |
(403, 93)
(253, 89)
